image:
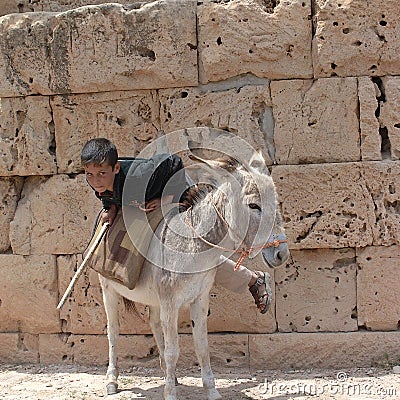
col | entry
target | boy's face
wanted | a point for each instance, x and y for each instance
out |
(101, 177)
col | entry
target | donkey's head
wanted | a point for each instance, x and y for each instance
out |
(250, 206)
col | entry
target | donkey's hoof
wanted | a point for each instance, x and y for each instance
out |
(112, 388)
(213, 394)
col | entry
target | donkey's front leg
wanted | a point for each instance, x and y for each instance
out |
(110, 299)
(169, 324)
(198, 314)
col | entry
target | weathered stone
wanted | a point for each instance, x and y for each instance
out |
(99, 48)
(353, 38)
(54, 216)
(324, 206)
(378, 297)
(83, 312)
(32, 310)
(27, 144)
(93, 350)
(390, 116)
(313, 133)
(323, 350)
(19, 348)
(368, 94)
(22, 6)
(382, 180)
(10, 189)
(130, 119)
(267, 351)
(226, 351)
(239, 37)
(316, 292)
(246, 112)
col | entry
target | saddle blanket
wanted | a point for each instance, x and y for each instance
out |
(116, 257)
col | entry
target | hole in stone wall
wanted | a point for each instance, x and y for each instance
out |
(383, 131)
(385, 143)
(269, 5)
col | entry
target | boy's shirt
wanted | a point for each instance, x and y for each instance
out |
(141, 180)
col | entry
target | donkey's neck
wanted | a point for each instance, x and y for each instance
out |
(209, 218)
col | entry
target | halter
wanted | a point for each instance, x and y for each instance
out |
(243, 252)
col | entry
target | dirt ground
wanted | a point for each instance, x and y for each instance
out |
(70, 382)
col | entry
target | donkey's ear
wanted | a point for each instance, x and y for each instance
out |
(257, 163)
(228, 164)
(219, 170)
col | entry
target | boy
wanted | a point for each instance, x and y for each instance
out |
(106, 175)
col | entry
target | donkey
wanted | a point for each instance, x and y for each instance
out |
(238, 212)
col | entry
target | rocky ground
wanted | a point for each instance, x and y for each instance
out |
(67, 382)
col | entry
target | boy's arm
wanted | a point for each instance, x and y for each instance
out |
(108, 215)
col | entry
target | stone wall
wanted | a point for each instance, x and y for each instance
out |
(313, 84)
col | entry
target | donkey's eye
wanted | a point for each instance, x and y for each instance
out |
(254, 206)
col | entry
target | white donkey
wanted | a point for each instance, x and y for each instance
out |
(237, 213)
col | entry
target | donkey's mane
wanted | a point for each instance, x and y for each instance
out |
(195, 194)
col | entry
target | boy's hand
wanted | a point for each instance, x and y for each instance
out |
(156, 203)
(109, 216)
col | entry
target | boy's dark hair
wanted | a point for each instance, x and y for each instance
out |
(99, 150)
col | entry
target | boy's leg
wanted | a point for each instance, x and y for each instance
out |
(257, 282)
(235, 281)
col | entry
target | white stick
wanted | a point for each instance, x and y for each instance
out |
(84, 262)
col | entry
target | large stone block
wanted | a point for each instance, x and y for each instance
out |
(245, 111)
(323, 350)
(371, 140)
(27, 144)
(316, 292)
(10, 189)
(239, 37)
(130, 119)
(307, 127)
(378, 297)
(83, 312)
(19, 348)
(28, 294)
(354, 39)
(99, 48)
(54, 216)
(325, 206)
(382, 180)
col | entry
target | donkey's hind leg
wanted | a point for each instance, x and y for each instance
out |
(110, 299)
(198, 314)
